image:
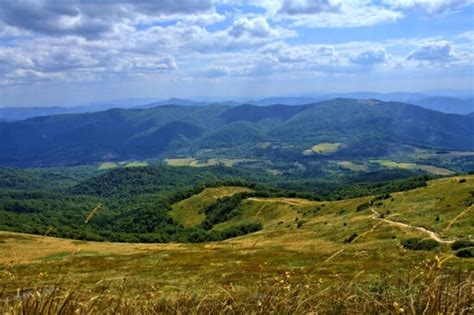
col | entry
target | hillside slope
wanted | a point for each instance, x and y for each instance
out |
(344, 239)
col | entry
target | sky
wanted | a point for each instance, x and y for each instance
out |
(73, 52)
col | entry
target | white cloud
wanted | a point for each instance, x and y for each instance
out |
(433, 52)
(91, 19)
(77, 40)
(297, 7)
(354, 13)
(257, 27)
(213, 72)
(370, 57)
(430, 7)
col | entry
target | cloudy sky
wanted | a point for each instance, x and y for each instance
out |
(75, 51)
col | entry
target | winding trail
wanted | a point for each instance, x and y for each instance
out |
(431, 234)
(458, 216)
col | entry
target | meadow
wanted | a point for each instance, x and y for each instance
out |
(317, 256)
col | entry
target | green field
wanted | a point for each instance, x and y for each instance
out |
(112, 165)
(107, 166)
(355, 167)
(413, 166)
(324, 148)
(136, 164)
(197, 163)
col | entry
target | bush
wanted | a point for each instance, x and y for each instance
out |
(419, 244)
(461, 244)
(466, 253)
(300, 224)
(363, 206)
(350, 238)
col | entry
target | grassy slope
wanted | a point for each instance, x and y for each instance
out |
(189, 212)
(315, 250)
(443, 199)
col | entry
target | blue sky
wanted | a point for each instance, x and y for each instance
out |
(78, 51)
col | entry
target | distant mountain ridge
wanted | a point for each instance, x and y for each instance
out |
(21, 113)
(452, 105)
(365, 128)
(447, 104)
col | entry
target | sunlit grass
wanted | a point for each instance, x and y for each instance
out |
(412, 166)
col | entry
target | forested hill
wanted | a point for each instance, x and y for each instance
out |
(364, 127)
(142, 204)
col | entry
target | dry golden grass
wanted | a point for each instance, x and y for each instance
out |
(19, 248)
(428, 290)
(303, 238)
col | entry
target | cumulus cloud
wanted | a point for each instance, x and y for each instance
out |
(88, 18)
(284, 53)
(429, 6)
(370, 57)
(297, 7)
(433, 52)
(212, 72)
(8, 31)
(343, 13)
(43, 40)
(133, 52)
(257, 27)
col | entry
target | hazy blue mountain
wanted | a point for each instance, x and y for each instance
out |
(365, 127)
(313, 98)
(447, 104)
(21, 113)
(285, 101)
(173, 101)
(393, 97)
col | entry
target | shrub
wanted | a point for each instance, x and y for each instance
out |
(419, 244)
(363, 206)
(350, 238)
(300, 224)
(466, 253)
(461, 244)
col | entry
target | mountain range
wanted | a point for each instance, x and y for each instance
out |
(366, 128)
(21, 113)
(457, 104)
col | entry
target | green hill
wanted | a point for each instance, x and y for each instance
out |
(366, 128)
(388, 247)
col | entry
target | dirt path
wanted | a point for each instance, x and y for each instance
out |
(290, 201)
(458, 216)
(431, 234)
